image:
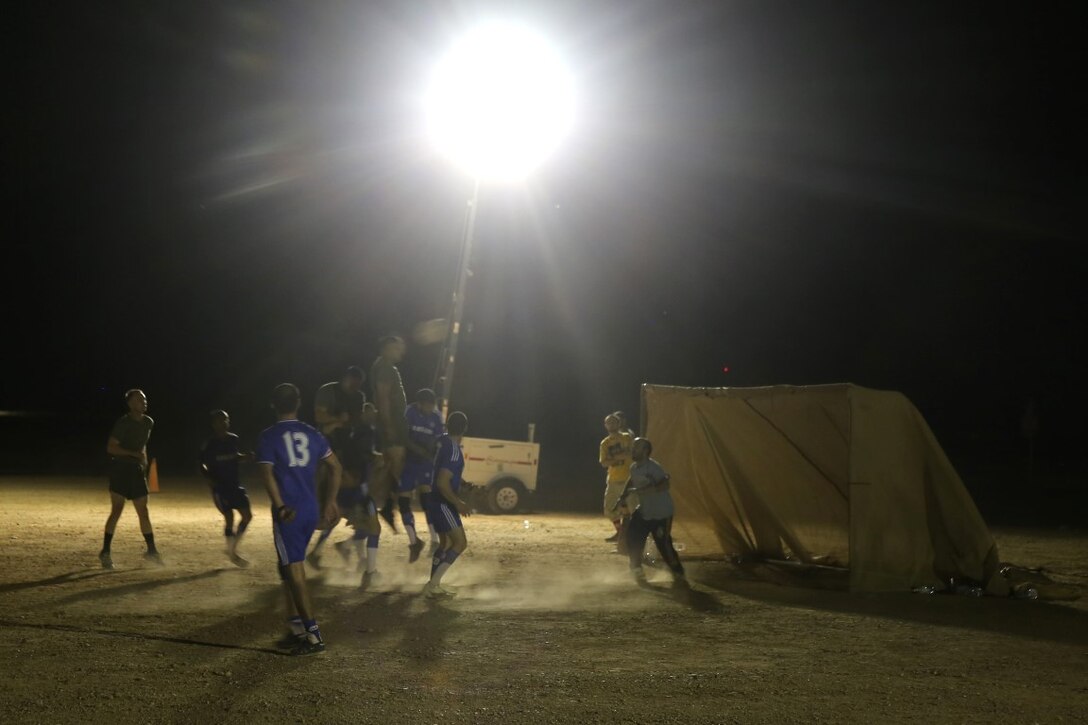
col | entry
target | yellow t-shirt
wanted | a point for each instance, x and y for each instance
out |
(615, 446)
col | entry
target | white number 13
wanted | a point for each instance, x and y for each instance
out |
(298, 449)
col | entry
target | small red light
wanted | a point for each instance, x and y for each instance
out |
(725, 368)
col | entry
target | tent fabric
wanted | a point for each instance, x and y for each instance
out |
(831, 474)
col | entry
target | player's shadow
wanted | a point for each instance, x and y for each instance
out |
(71, 577)
(422, 625)
(997, 615)
(254, 627)
(700, 601)
(138, 587)
(142, 636)
(427, 633)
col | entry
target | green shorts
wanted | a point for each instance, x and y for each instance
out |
(127, 479)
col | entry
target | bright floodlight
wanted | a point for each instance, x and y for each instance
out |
(499, 101)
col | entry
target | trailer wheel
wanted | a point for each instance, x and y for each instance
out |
(505, 496)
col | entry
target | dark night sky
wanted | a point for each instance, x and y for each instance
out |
(204, 199)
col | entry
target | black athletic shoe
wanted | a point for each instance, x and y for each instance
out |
(680, 582)
(306, 647)
(414, 550)
(314, 559)
(106, 559)
(155, 558)
(290, 640)
(613, 538)
(239, 561)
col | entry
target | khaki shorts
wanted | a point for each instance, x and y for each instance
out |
(612, 493)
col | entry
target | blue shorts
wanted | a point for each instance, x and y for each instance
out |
(414, 476)
(292, 538)
(230, 498)
(444, 517)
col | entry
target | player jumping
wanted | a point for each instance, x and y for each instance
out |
(127, 446)
(219, 459)
(392, 427)
(289, 453)
(444, 505)
(424, 428)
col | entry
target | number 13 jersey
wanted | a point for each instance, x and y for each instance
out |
(294, 450)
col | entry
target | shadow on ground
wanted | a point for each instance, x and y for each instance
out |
(1013, 617)
(71, 577)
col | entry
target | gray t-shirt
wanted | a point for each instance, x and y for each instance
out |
(652, 504)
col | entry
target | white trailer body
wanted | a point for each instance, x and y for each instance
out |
(503, 474)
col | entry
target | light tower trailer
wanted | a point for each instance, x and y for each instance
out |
(502, 476)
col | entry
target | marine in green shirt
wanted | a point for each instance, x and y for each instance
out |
(392, 427)
(127, 447)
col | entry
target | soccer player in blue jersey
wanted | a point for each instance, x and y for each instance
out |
(289, 453)
(445, 506)
(424, 428)
(219, 459)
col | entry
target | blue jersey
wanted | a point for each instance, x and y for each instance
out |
(219, 456)
(449, 458)
(423, 430)
(294, 449)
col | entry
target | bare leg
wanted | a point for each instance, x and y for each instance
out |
(455, 542)
(298, 593)
(382, 493)
(117, 505)
(458, 540)
(140, 504)
(246, 517)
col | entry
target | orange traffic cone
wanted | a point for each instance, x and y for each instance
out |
(153, 477)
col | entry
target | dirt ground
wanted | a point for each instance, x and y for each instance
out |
(547, 627)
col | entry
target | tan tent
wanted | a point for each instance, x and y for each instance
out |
(833, 475)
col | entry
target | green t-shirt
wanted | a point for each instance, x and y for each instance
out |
(132, 434)
(383, 371)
